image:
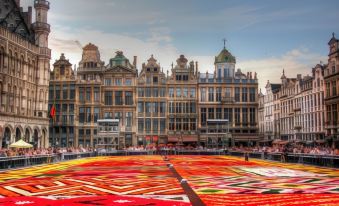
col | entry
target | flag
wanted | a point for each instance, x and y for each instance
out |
(52, 112)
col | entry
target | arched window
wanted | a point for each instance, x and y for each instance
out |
(21, 66)
(29, 69)
(9, 62)
(16, 64)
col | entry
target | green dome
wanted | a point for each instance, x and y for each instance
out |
(119, 59)
(224, 57)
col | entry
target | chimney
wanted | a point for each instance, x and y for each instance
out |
(135, 61)
(29, 18)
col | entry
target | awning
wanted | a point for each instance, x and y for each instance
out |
(21, 144)
(190, 138)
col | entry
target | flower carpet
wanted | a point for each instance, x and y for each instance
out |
(224, 180)
(147, 180)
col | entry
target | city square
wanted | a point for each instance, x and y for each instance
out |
(169, 103)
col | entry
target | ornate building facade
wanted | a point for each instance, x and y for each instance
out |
(230, 95)
(24, 73)
(332, 90)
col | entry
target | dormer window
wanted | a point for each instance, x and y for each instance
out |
(155, 69)
(148, 69)
(62, 70)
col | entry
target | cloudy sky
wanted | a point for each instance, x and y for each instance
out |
(264, 35)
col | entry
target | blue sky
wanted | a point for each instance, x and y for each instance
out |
(265, 36)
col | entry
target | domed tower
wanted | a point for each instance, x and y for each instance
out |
(224, 64)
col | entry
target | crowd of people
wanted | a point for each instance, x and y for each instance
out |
(296, 149)
(28, 152)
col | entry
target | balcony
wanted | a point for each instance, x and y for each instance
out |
(41, 3)
(44, 51)
(227, 100)
(297, 127)
(41, 26)
(297, 109)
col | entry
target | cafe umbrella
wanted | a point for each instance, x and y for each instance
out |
(21, 144)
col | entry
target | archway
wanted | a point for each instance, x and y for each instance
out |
(7, 138)
(27, 135)
(35, 138)
(17, 134)
(43, 139)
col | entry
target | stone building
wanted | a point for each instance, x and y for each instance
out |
(182, 102)
(261, 115)
(24, 73)
(331, 78)
(269, 107)
(230, 95)
(62, 95)
(152, 104)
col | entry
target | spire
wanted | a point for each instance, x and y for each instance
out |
(283, 75)
(224, 43)
(333, 35)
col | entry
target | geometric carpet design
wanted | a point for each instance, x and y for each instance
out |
(225, 180)
(147, 180)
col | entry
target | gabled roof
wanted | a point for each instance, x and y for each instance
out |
(13, 20)
(90, 46)
(62, 61)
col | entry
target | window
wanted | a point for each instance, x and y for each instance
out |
(185, 124)
(129, 117)
(108, 98)
(210, 113)
(252, 94)
(178, 92)
(171, 107)
(108, 115)
(148, 80)
(244, 94)
(118, 115)
(178, 107)
(211, 94)
(192, 108)
(148, 125)
(192, 93)
(218, 113)
(71, 108)
(81, 114)
(252, 116)
(128, 98)
(64, 107)
(218, 94)
(171, 92)
(118, 81)
(155, 92)
(128, 82)
(140, 107)
(96, 114)
(148, 92)
(108, 82)
(57, 92)
(162, 125)
(64, 92)
(178, 124)
(185, 77)
(148, 107)
(178, 77)
(162, 108)
(118, 98)
(155, 80)
(141, 92)
(155, 108)
(162, 92)
(155, 125)
(51, 93)
(228, 114)
(193, 124)
(81, 94)
(88, 114)
(88, 94)
(185, 92)
(328, 89)
(203, 94)
(244, 116)
(171, 124)
(141, 125)
(334, 88)
(96, 94)
(237, 94)
(203, 116)
(72, 92)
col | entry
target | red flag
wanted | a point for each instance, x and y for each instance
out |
(52, 112)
